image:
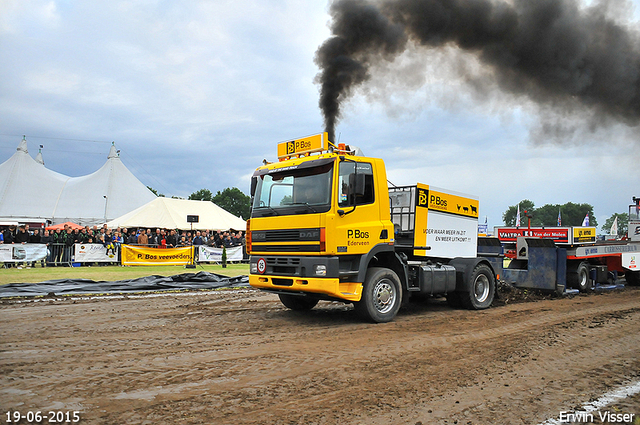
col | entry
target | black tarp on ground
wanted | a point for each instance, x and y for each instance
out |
(200, 280)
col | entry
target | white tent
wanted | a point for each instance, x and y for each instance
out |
(108, 193)
(169, 213)
(29, 192)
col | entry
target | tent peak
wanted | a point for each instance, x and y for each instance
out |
(113, 152)
(39, 158)
(23, 145)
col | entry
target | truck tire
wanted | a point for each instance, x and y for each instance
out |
(579, 278)
(297, 303)
(381, 296)
(632, 278)
(481, 288)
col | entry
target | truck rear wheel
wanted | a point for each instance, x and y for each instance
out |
(481, 288)
(633, 278)
(381, 295)
(579, 278)
(297, 302)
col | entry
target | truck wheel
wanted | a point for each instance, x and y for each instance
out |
(579, 279)
(297, 303)
(481, 288)
(633, 278)
(381, 296)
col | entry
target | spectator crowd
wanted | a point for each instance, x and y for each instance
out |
(60, 241)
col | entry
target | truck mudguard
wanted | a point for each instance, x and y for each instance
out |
(392, 261)
(465, 266)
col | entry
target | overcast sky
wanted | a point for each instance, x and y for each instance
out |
(195, 94)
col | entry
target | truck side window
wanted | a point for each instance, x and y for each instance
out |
(346, 197)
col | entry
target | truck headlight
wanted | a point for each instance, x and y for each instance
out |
(253, 268)
(320, 270)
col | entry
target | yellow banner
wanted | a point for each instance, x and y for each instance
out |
(140, 256)
(584, 234)
(453, 204)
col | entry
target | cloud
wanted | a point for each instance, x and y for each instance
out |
(196, 94)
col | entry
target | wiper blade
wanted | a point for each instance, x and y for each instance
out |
(306, 204)
(267, 206)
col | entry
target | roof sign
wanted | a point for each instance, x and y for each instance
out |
(305, 145)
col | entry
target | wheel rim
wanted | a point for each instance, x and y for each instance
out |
(384, 296)
(582, 279)
(481, 288)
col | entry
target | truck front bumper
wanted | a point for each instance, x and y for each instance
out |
(330, 288)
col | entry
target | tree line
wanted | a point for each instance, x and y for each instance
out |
(571, 214)
(230, 199)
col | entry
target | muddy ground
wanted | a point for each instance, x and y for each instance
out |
(239, 357)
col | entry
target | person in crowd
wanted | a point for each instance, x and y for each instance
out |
(77, 237)
(152, 238)
(47, 240)
(197, 240)
(8, 235)
(130, 238)
(172, 241)
(22, 236)
(163, 240)
(211, 242)
(227, 240)
(69, 240)
(143, 239)
(35, 238)
(56, 243)
(118, 240)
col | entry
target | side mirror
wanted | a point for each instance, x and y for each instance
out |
(254, 184)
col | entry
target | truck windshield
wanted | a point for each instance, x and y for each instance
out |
(297, 191)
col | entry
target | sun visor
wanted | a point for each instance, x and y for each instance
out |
(303, 165)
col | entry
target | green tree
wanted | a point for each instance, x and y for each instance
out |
(547, 215)
(155, 192)
(234, 201)
(623, 223)
(201, 195)
(509, 216)
(573, 214)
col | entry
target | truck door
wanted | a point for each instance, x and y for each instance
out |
(358, 224)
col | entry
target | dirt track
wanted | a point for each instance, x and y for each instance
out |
(239, 357)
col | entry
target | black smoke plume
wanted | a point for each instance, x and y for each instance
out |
(552, 51)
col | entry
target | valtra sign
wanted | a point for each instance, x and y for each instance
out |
(560, 235)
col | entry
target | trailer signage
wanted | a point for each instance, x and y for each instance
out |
(601, 250)
(584, 234)
(511, 234)
(450, 203)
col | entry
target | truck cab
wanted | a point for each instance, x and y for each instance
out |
(321, 229)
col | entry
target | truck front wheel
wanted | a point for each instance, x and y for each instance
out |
(381, 296)
(481, 288)
(297, 302)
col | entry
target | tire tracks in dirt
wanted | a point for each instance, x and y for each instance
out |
(242, 358)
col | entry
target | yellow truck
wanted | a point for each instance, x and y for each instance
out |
(325, 226)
